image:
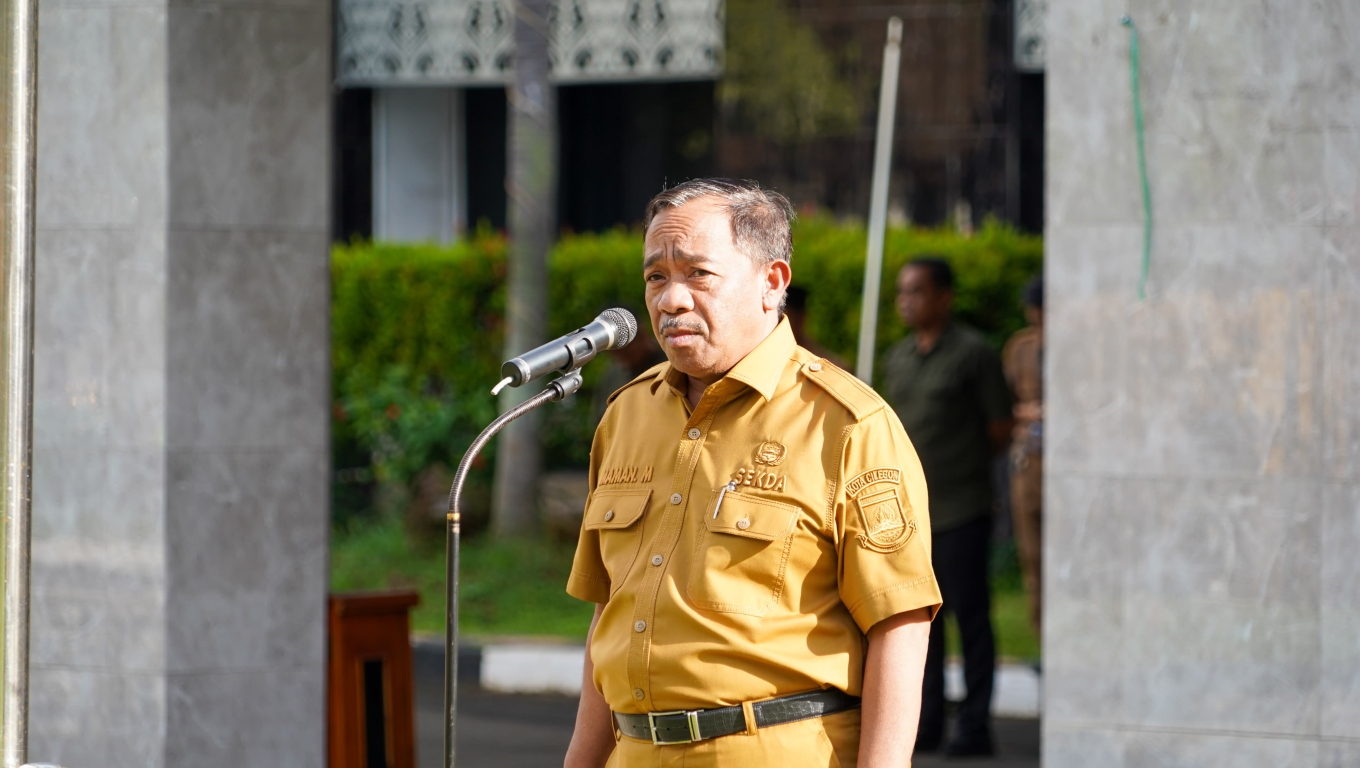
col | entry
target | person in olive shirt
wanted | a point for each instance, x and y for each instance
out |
(946, 384)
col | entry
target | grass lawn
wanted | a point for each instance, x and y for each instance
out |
(517, 587)
(507, 587)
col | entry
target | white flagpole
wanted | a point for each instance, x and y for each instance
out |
(878, 201)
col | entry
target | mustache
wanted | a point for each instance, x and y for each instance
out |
(675, 324)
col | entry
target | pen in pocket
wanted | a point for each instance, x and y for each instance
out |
(732, 486)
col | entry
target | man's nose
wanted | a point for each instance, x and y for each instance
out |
(675, 298)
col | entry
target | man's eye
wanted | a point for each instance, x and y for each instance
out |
(653, 277)
(701, 273)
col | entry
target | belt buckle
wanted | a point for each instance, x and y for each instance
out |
(691, 719)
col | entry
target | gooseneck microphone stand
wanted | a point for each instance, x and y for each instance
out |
(555, 391)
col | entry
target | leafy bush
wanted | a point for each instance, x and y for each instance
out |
(417, 329)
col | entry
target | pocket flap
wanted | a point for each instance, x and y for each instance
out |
(742, 514)
(615, 509)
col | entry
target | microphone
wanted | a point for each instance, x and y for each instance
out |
(613, 329)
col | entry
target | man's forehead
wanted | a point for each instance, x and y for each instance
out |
(701, 219)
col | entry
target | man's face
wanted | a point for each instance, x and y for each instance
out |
(919, 301)
(710, 303)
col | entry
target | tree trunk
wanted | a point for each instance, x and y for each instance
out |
(532, 203)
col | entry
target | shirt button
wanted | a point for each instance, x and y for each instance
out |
(694, 433)
(658, 559)
(743, 523)
(638, 694)
(640, 625)
(609, 515)
(814, 367)
(676, 498)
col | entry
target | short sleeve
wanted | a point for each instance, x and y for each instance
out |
(992, 388)
(883, 524)
(589, 580)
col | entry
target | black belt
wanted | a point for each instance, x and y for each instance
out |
(685, 726)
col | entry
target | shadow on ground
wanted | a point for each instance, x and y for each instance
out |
(502, 731)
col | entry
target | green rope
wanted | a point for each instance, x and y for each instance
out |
(1142, 154)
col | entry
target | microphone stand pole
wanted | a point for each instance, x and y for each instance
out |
(555, 391)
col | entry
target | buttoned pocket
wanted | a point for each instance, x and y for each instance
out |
(742, 554)
(616, 516)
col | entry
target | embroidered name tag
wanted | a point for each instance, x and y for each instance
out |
(882, 510)
(621, 475)
(759, 478)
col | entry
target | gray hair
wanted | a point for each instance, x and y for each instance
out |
(761, 218)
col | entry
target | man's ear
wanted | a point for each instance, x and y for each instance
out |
(778, 275)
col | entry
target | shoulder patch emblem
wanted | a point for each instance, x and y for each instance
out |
(771, 453)
(882, 510)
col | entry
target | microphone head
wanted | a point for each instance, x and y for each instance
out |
(625, 325)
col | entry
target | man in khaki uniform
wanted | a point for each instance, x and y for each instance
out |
(1024, 362)
(757, 535)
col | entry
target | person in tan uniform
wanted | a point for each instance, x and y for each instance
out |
(757, 536)
(1023, 360)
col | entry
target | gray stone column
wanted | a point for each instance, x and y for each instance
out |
(1203, 467)
(181, 460)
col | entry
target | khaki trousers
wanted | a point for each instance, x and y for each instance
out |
(1027, 504)
(823, 742)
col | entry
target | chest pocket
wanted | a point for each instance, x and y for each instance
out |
(742, 555)
(615, 515)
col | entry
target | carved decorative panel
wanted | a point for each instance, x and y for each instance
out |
(471, 42)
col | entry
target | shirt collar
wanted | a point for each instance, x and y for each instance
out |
(760, 370)
(945, 334)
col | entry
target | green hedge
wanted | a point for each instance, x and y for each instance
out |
(417, 329)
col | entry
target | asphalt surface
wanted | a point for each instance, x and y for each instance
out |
(503, 731)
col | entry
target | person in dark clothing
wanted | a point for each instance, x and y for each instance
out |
(946, 384)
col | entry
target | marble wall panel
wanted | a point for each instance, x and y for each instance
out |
(98, 568)
(1195, 750)
(1085, 559)
(249, 359)
(1087, 127)
(1220, 370)
(1334, 754)
(216, 719)
(101, 116)
(99, 338)
(1341, 612)
(1340, 383)
(1223, 607)
(248, 540)
(1221, 409)
(89, 717)
(1064, 747)
(250, 119)
(181, 375)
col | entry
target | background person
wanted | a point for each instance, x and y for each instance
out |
(946, 385)
(1023, 360)
(756, 538)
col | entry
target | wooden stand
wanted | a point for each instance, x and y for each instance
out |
(372, 698)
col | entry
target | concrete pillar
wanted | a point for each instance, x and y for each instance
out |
(181, 459)
(419, 171)
(1203, 465)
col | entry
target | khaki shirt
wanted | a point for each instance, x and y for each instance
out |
(769, 593)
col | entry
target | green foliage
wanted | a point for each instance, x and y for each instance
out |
(780, 81)
(990, 268)
(518, 587)
(417, 329)
(512, 587)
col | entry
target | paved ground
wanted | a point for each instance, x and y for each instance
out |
(502, 731)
